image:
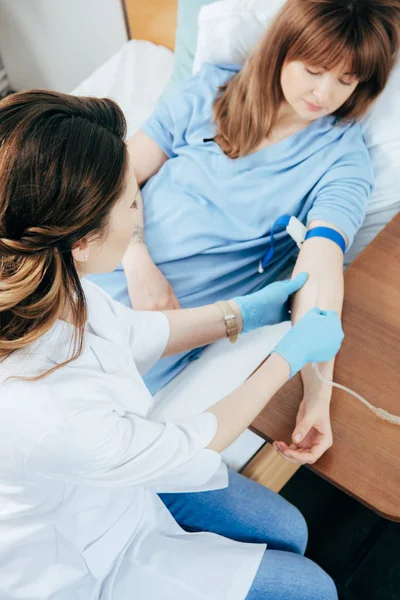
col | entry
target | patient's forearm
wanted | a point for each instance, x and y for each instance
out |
(137, 249)
(323, 261)
(147, 158)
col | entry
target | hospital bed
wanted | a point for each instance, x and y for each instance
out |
(136, 78)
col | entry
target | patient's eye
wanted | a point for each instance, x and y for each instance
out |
(348, 79)
(312, 71)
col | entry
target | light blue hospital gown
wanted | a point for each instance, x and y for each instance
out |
(208, 217)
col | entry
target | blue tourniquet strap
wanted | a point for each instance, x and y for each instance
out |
(282, 221)
(330, 234)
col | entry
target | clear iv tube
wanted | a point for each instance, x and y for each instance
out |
(380, 412)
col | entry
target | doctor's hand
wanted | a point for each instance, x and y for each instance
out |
(147, 287)
(316, 337)
(269, 305)
(312, 435)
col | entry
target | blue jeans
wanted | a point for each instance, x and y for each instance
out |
(248, 512)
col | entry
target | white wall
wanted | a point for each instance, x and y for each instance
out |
(55, 44)
(4, 83)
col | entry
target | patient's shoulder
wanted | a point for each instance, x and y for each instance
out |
(213, 76)
(191, 101)
(207, 80)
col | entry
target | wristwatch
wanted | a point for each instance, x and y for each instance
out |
(230, 320)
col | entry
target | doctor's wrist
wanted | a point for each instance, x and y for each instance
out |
(238, 314)
(232, 318)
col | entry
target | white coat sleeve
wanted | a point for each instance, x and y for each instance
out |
(98, 447)
(147, 332)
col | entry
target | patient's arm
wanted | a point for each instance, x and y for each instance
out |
(147, 158)
(322, 259)
(146, 155)
(148, 288)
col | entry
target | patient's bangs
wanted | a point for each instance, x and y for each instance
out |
(322, 45)
(367, 59)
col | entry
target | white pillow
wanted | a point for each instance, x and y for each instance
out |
(230, 29)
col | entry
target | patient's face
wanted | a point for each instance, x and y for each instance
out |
(313, 92)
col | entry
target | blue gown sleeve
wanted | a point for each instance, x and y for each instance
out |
(186, 107)
(341, 196)
(168, 123)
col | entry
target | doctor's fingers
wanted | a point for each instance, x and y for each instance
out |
(295, 284)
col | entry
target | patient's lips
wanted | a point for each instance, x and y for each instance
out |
(313, 107)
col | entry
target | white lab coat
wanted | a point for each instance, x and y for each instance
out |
(80, 467)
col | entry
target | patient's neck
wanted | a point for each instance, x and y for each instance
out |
(287, 123)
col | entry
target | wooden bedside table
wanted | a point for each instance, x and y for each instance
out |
(365, 458)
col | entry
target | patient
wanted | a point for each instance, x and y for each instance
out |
(232, 149)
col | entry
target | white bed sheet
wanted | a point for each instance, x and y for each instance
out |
(135, 78)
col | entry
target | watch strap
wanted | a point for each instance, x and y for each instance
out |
(230, 320)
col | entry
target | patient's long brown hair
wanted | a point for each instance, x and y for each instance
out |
(62, 167)
(321, 33)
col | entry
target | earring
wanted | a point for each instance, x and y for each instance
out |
(85, 256)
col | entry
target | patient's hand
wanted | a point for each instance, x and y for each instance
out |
(148, 288)
(313, 423)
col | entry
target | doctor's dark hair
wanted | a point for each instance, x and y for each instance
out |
(321, 33)
(63, 166)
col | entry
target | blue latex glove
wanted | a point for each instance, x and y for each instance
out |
(316, 337)
(269, 305)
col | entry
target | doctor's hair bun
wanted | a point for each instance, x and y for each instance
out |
(30, 289)
(35, 240)
(63, 167)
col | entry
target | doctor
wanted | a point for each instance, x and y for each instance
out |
(81, 461)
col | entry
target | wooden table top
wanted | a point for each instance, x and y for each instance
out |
(364, 460)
